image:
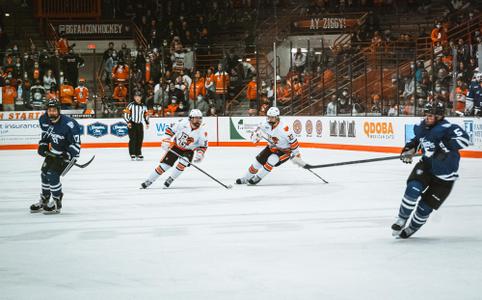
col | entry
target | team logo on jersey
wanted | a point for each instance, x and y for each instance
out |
(309, 127)
(97, 129)
(319, 128)
(297, 127)
(119, 129)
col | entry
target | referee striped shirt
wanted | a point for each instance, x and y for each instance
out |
(135, 113)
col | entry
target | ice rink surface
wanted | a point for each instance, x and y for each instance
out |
(290, 237)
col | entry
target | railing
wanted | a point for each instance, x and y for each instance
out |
(67, 9)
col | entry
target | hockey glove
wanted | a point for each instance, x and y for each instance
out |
(407, 154)
(42, 148)
(166, 144)
(255, 136)
(198, 156)
(297, 160)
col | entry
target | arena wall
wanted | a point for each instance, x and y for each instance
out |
(378, 134)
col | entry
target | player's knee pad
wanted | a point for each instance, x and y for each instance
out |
(414, 190)
(44, 177)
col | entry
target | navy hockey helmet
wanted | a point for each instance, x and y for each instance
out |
(436, 108)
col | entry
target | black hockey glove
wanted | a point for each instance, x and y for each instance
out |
(42, 148)
(407, 154)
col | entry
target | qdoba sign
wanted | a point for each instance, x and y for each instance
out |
(379, 130)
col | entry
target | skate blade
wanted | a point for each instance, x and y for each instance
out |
(53, 212)
(36, 211)
(396, 233)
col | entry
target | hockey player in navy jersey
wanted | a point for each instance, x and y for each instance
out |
(474, 97)
(434, 175)
(59, 143)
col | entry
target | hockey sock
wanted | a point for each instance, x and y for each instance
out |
(158, 171)
(272, 160)
(55, 185)
(177, 170)
(253, 170)
(409, 201)
(421, 215)
(45, 185)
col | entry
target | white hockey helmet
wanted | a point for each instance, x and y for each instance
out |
(273, 112)
(195, 113)
(478, 76)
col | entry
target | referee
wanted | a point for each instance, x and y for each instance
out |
(134, 113)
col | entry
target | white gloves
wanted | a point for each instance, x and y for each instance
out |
(255, 136)
(166, 144)
(198, 156)
(297, 160)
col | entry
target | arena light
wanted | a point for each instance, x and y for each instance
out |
(7, 14)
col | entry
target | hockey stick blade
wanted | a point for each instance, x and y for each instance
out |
(86, 164)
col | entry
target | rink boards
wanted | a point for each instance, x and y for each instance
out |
(379, 134)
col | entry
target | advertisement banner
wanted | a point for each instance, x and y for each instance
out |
(35, 114)
(380, 134)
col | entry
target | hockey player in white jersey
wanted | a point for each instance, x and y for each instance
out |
(282, 146)
(189, 139)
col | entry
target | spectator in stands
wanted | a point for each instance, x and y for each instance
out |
(62, 45)
(109, 51)
(108, 67)
(172, 108)
(9, 94)
(120, 93)
(332, 107)
(120, 72)
(252, 95)
(37, 96)
(66, 95)
(71, 64)
(299, 61)
(124, 52)
(200, 104)
(209, 84)
(81, 94)
(52, 93)
(221, 82)
(49, 79)
(409, 87)
(197, 88)
(438, 35)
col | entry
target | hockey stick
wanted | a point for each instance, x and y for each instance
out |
(86, 164)
(270, 141)
(201, 170)
(69, 166)
(352, 162)
(73, 162)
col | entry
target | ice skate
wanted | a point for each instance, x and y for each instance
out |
(398, 225)
(168, 181)
(254, 180)
(146, 184)
(38, 207)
